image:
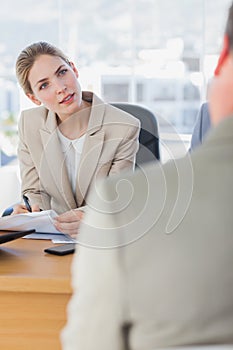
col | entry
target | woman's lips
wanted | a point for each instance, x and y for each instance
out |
(69, 98)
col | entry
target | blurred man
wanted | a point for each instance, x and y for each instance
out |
(163, 276)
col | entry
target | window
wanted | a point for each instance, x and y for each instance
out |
(160, 53)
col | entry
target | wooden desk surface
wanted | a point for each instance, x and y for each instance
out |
(34, 291)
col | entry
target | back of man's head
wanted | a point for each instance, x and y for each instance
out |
(220, 93)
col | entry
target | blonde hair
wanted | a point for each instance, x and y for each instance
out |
(27, 58)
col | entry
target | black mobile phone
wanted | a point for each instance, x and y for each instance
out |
(63, 249)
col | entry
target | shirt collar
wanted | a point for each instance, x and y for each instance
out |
(65, 142)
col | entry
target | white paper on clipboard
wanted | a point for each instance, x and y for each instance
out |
(40, 221)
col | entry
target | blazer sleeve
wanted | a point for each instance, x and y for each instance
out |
(30, 182)
(98, 308)
(125, 155)
(94, 311)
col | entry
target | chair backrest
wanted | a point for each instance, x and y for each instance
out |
(9, 186)
(149, 134)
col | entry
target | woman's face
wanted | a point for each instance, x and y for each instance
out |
(55, 85)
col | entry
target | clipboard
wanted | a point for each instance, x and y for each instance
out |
(7, 236)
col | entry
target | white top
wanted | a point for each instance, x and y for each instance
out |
(72, 150)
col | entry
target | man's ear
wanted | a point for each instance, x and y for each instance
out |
(33, 99)
(74, 69)
(223, 55)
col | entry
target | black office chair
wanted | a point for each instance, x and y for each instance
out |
(149, 135)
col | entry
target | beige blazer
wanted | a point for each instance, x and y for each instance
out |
(169, 280)
(110, 146)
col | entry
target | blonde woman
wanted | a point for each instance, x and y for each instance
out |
(70, 139)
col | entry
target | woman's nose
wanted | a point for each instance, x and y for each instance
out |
(60, 87)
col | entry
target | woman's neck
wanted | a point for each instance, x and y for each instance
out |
(76, 125)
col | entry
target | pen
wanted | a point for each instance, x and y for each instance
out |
(26, 202)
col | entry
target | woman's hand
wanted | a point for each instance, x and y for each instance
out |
(69, 222)
(21, 208)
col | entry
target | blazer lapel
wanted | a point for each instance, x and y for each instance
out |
(91, 149)
(55, 160)
(88, 163)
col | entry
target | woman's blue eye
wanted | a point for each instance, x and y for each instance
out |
(62, 71)
(43, 86)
